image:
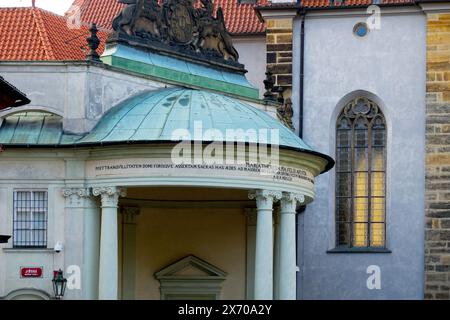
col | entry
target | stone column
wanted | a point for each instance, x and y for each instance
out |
(91, 248)
(276, 254)
(287, 275)
(74, 254)
(109, 250)
(129, 215)
(264, 243)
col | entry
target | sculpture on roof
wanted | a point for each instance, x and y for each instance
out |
(176, 25)
(139, 18)
(212, 32)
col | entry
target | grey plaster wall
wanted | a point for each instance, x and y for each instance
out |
(79, 92)
(388, 66)
(252, 52)
(35, 171)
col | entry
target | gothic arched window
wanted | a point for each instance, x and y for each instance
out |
(361, 176)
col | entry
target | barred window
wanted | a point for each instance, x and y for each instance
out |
(361, 176)
(30, 219)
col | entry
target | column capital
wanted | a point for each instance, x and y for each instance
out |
(76, 195)
(287, 196)
(289, 202)
(265, 194)
(109, 195)
(265, 198)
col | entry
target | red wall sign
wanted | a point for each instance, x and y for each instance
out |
(31, 272)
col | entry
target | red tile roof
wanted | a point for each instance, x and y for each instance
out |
(239, 18)
(36, 34)
(348, 3)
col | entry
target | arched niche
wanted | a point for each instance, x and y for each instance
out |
(30, 108)
(28, 294)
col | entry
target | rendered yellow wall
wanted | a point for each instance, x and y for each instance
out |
(166, 235)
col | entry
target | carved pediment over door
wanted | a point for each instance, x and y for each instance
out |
(191, 278)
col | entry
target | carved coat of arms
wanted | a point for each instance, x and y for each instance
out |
(180, 20)
(177, 25)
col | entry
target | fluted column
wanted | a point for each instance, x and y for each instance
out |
(287, 275)
(109, 255)
(264, 242)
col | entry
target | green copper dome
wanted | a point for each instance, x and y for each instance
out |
(155, 115)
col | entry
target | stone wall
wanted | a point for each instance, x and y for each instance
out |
(279, 52)
(437, 247)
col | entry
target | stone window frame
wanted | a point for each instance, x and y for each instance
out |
(373, 113)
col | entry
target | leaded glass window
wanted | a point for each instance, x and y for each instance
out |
(361, 176)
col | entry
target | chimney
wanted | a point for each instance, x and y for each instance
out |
(33, 3)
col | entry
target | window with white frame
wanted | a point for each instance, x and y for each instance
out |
(30, 219)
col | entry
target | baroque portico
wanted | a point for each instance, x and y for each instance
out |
(101, 240)
(107, 188)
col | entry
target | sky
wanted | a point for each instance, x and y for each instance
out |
(57, 6)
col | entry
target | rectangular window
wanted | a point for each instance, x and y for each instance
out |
(30, 219)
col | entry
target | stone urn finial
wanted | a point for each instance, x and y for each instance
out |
(93, 44)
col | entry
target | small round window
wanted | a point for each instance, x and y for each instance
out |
(361, 29)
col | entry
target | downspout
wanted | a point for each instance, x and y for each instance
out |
(302, 75)
(300, 126)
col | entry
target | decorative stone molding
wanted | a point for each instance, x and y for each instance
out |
(129, 214)
(28, 294)
(204, 279)
(76, 195)
(265, 198)
(293, 197)
(255, 194)
(289, 202)
(109, 195)
(178, 28)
